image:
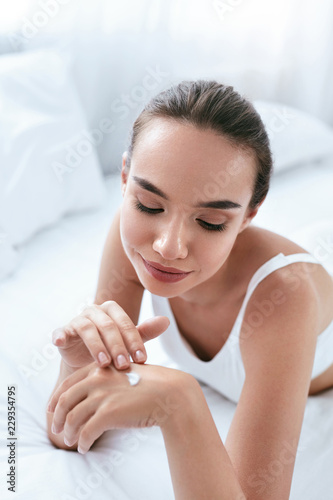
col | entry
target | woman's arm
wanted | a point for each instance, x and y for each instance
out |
(199, 464)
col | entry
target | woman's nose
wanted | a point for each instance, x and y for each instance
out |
(172, 240)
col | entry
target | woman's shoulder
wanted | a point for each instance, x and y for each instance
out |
(257, 246)
(264, 244)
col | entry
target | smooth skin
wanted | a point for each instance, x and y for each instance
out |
(191, 166)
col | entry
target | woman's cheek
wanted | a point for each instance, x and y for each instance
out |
(133, 229)
(216, 254)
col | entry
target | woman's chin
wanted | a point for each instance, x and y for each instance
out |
(158, 288)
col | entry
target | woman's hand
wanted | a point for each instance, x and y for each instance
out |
(105, 333)
(94, 399)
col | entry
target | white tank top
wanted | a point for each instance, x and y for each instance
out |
(225, 372)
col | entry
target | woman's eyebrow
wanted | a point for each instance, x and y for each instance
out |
(222, 204)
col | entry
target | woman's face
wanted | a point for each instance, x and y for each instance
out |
(188, 167)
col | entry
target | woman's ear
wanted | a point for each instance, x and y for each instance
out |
(124, 157)
(251, 213)
(124, 173)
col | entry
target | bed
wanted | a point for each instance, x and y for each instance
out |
(51, 275)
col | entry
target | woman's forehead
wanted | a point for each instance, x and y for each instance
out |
(160, 132)
(173, 154)
(171, 141)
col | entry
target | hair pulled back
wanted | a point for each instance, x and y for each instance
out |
(214, 106)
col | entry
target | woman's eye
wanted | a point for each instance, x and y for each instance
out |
(205, 225)
(213, 227)
(147, 210)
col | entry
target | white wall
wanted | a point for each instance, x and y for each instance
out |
(124, 52)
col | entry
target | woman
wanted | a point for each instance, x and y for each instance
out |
(248, 307)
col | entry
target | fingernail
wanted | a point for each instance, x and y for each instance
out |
(80, 450)
(121, 360)
(102, 358)
(67, 443)
(53, 429)
(60, 337)
(139, 356)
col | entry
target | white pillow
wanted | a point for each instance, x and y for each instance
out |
(317, 238)
(9, 257)
(48, 162)
(296, 137)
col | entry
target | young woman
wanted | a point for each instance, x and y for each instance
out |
(243, 309)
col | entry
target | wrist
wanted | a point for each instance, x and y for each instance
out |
(182, 397)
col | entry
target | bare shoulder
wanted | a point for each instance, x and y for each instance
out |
(257, 245)
(283, 315)
(263, 244)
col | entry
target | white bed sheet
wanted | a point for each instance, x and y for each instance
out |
(56, 277)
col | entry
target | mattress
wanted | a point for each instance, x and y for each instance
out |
(56, 278)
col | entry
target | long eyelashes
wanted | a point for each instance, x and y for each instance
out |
(147, 210)
(154, 211)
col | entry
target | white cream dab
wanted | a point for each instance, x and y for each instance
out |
(133, 378)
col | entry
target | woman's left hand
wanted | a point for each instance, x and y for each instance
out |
(94, 399)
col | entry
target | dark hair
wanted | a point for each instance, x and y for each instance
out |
(212, 105)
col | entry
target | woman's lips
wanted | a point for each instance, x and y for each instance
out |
(165, 269)
(167, 277)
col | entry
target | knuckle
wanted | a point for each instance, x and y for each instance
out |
(84, 435)
(93, 307)
(84, 326)
(103, 410)
(109, 303)
(69, 329)
(64, 386)
(70, 419)
(118, 348)
(96, 374)
(88, 310)
(62, 400)
(107, 324)
(93, 313)
(127, 326)
(97, 397)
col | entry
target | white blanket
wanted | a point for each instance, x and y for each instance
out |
(57, 276)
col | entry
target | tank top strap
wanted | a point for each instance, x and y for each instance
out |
(278, 261)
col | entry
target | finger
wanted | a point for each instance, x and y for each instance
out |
(66, 402)
(58, 336)
(91, 431)
(153, 327)
(108, 328)
(128, 340)
(76, 419)
(71, 380)
(85, 328)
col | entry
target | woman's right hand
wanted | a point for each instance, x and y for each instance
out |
(105, 333)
